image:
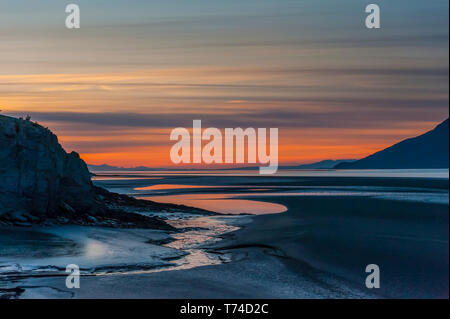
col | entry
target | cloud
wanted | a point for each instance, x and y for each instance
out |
(281, 118)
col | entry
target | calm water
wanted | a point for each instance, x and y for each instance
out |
(45, 251)
(424, 173)
(246, 192)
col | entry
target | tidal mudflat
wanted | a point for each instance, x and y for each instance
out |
(295, 237)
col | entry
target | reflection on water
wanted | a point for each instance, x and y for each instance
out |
(112, 251)
(221, 203)
(421, 173)
(171, 186)
(190, 241)
(231, 204)
(95, 249)
(228, 191)
(108, 177)
(205, 230)
(100, 251)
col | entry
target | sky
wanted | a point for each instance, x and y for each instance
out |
(115, 88)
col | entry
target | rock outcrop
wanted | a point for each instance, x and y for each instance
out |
(36, 175)
(41, 183)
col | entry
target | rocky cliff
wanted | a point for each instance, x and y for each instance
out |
(36, 175)
(41, 183)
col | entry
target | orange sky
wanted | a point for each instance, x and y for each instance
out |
(87, 111)
(115, 88)
(296, 146)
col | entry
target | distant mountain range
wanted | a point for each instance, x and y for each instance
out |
(106, 167)
(429, 150)
(325, 164)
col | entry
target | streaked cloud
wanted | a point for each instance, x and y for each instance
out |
(113, 89)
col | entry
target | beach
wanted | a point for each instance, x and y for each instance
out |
(318, 246)
(271, 150)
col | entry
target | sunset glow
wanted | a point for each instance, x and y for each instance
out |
(114, 89)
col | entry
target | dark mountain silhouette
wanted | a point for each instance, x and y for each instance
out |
(325, 164)
(111, 168)
(429, 150)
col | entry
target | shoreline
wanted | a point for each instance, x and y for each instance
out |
(107, 252)
(317, 249)
(409, 240)
(253, 271)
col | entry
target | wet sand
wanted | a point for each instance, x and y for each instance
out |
(255, 271)
(407, 240)
(311, 252)
(319, 248)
